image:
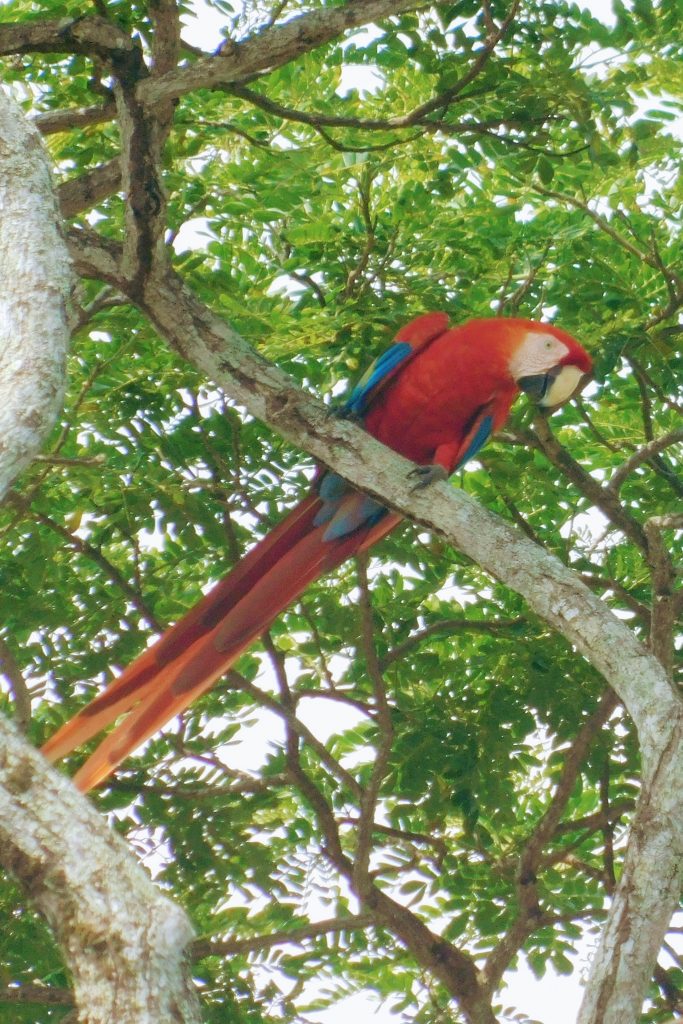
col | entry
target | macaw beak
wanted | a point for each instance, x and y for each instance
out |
(553, 387)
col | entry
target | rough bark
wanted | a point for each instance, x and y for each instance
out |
(35, 282)
(648, 891)
(274, 46)
(122, 940)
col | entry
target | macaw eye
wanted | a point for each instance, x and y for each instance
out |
(548, 343)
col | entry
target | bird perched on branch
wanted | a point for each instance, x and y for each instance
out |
(435, 396)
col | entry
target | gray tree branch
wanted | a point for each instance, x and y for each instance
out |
(271, 48)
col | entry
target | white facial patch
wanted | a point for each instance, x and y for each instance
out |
(563, 386)
(538, 353)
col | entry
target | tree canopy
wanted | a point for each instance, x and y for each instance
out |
(332, 171)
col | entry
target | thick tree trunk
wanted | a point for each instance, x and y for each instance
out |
(122, 940)
(34, 280)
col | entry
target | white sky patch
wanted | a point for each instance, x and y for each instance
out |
(205, 27)
(600, 9)
(193, 235)
(555, 998)
(254, 743)
(363, 78)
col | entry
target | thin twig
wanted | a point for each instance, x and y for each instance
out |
(543, 438)
(258, 943)
(487, 627)
(9, 668)
(644, 454)
(368, 802)
(529, 914)
(95, 555)
(287, 714)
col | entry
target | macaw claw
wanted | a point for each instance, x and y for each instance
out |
(341, 412)
(427, 475)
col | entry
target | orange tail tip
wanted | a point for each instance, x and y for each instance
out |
(122, 694)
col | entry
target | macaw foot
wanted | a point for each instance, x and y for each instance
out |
(427, 475)
(341, 413)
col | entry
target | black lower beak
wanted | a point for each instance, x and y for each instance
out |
(536, 386)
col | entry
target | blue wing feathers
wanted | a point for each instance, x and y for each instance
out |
(477, 441)
(331, 490)
(344, 510)
(374, 375)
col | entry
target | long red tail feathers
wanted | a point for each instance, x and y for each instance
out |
(188, 659)
(128, 688)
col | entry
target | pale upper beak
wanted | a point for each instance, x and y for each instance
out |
(553, 387)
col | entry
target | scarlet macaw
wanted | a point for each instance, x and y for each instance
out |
(435, 395)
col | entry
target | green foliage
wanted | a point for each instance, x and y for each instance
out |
(535, 193)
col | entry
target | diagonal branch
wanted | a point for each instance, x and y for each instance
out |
(95, 555)
(417, 116)
(293, 724)
(52, 121)
(42, 995)
(494, 35)
(414, 118)
(368, 801)
(543, 438)
(455, 969)
(91, 36)
(271, 48)
(652, 256)
(85, 191)
(448, 627)
(548, 824)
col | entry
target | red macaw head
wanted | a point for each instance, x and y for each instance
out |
(546, 362)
